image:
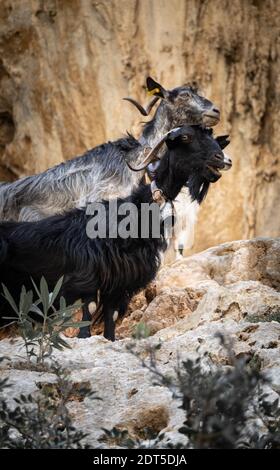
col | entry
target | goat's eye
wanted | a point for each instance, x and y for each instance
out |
(186, 138)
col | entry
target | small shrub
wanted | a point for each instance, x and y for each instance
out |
(221, 404)
(39, 323)
(273, 316)
(141, 331)
(42, 420)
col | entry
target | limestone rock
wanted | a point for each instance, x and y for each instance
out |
(129, 398)
(231, 289)
(165, 310)
(244, 260)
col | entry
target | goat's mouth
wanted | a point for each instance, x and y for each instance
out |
(215, 171)
(211, 118)
(227, 163)
(227, 166)
(210, 121)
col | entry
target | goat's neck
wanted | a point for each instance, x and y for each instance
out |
(159, 126)
(170, 188)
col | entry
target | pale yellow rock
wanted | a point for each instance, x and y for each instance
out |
(66, 65)
(243, 260)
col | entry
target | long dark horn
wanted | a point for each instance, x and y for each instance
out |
(153, 152)
(140, 108)
(151, 104)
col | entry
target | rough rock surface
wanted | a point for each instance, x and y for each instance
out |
(233, 288)
(66, 65)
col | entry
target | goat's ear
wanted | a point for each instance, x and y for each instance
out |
(223, 141)
(155, 88)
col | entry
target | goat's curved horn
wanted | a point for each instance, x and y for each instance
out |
(143, 111)
(151, 104)
(153, 152)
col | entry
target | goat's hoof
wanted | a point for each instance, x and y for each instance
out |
(112, 339)
(84, 334)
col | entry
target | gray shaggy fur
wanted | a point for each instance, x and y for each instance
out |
(101, 173)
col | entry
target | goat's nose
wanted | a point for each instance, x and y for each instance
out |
(219, 156)
(227, 162)
(216, 110)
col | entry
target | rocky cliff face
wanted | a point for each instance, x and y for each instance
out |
(66, 65)
(232, 289)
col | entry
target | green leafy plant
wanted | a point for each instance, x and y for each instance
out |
(122, 438)
(273, 316)
(225, 407)
(141, 331)
(42, 420)
(40, 324)
(222, 405)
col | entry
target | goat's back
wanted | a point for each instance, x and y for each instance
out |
(101, 173)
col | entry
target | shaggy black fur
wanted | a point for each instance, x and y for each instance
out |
(117, 268)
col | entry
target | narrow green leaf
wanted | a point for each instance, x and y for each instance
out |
(9, 298)
(56, 290)
(26, 301)
(22, 299)
(62, 304)
(44, 294)
(78, 324)
(36, 310)
(59, 341)
(37, 290)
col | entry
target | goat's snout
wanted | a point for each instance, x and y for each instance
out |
(227, 162)
(218, 160)
(216, 111)
(211, 116)
(215, 164)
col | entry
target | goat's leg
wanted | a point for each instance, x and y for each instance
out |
(85, 330)
(109, 316)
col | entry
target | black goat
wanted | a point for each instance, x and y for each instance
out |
(111, 269)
